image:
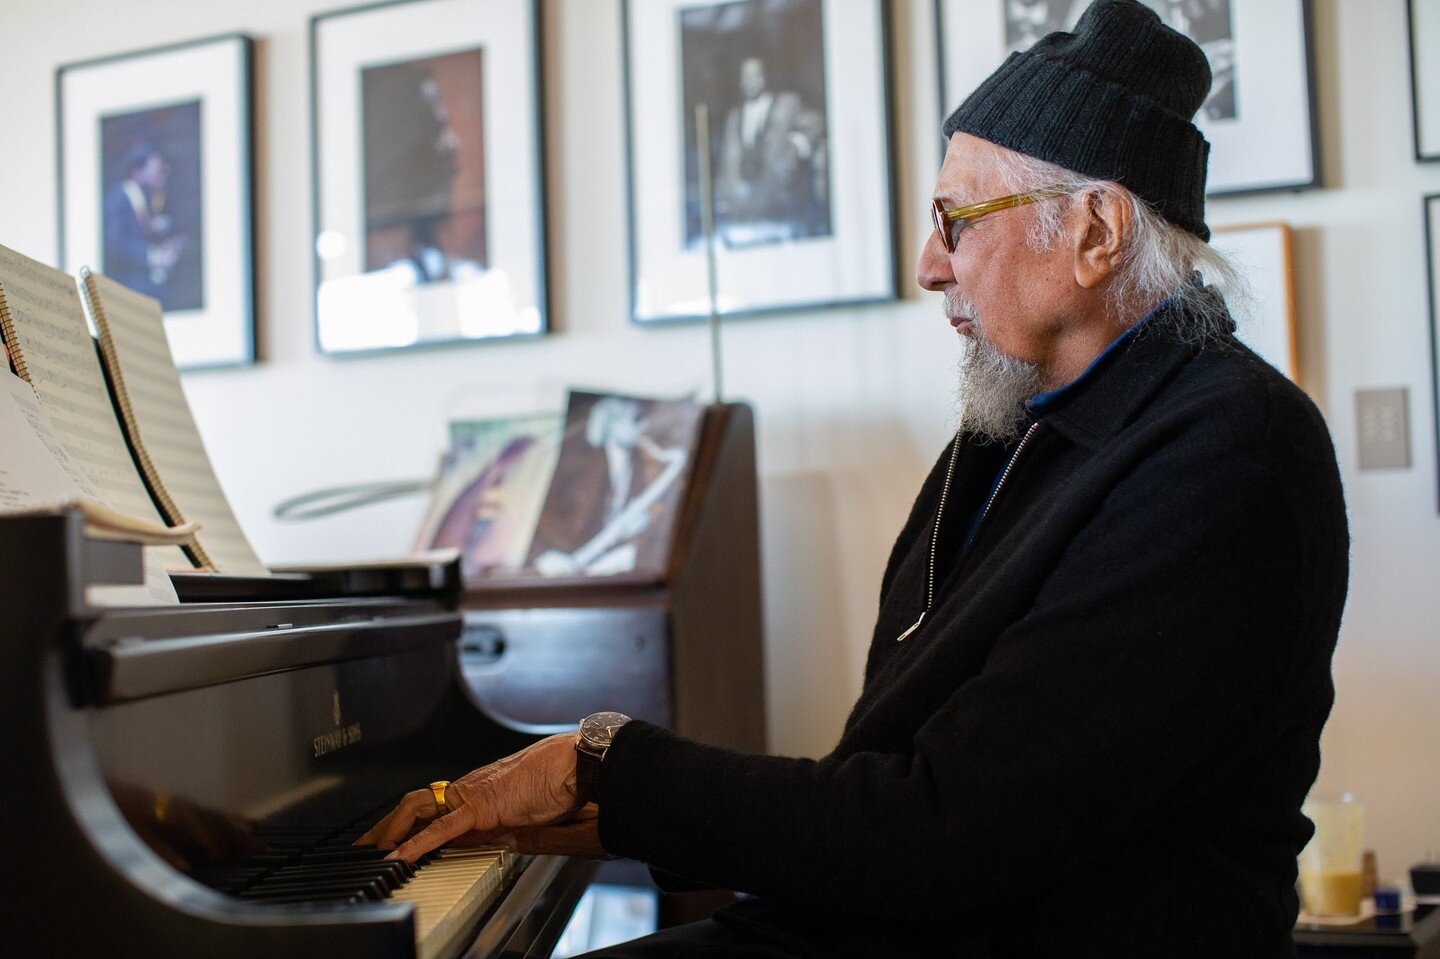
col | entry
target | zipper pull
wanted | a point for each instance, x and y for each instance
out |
(914, 626)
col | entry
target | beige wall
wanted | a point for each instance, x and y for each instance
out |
(852, 404)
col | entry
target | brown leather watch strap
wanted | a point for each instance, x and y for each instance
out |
(587, 774)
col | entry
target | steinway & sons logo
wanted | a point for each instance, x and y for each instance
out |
(340, 736)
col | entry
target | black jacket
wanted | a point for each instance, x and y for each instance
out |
(1098, 741)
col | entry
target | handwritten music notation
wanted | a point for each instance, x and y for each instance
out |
(52, 340)
(36, 473)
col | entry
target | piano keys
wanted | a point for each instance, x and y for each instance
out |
(451, 890)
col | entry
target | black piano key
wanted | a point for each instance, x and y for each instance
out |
(368, 889)
(343, 899)
(406, 869)
(345, 854)
(377, 866)
(229, 880)
(403, 867)
(264, 859)
(290, 842)
(309, 832)
(319, 860)
(348, 850)
(391, 879)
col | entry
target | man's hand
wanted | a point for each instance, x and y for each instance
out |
(577, 836)
(528, 799)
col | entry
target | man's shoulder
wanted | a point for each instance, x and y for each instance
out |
(1235, 397)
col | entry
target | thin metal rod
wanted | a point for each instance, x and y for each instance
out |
(707, 227)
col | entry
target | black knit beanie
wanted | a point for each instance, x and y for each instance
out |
(1113, 100)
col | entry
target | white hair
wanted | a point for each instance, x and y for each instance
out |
(1160, 259)
(993, 385)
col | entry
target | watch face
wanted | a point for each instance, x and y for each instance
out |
(598, 729)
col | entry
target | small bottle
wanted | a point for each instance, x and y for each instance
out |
(1369, 874)
(1387, 900)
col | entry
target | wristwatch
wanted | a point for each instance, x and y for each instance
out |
(597, 732)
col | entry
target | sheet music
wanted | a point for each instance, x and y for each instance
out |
(52, 345)
(166, 426)
(35, 473)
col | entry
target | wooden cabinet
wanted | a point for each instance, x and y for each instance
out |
(683, 650)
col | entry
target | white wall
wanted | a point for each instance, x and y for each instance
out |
(852, 404)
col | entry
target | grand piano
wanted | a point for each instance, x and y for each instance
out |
(188, 780)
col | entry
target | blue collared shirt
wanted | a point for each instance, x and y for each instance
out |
(1042, 404)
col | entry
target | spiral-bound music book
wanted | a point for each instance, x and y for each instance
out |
(158, 424)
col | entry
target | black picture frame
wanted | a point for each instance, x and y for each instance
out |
(670, 81)
(191, 107)
(1425, 114)
(955, 24)
(1430, 213)
(469, 290)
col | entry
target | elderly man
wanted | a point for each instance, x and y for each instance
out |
(1101, 665)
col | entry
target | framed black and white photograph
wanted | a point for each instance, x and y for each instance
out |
(1259, 116)
(1266, 322)
(428, 174)
(1432, 274)
(797, 97)
(1425, 76)
(155, 166)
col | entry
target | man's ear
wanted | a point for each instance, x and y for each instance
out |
(1101, 231)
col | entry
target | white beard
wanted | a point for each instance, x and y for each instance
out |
(993, 386)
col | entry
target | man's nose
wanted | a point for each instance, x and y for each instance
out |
(933, 271)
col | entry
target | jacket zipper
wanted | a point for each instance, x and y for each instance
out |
(940, 515)
(998, 486)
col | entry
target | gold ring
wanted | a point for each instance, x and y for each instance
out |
(437, 789)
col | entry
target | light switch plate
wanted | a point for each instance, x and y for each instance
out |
(1382, 423)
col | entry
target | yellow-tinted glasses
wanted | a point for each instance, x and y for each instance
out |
(949, 223)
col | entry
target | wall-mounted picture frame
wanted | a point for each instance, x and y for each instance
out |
(1260, 117)
(155, 169)
(1425, 77)
(798, 96)
(1432, 276)
(428, 174)
(1263, 252)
